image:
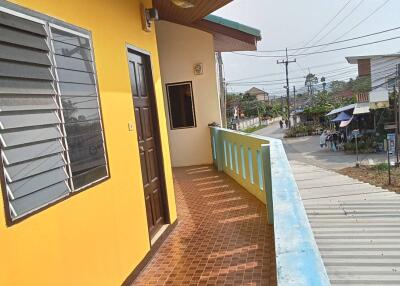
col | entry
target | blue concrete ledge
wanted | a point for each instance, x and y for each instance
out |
(298, 261)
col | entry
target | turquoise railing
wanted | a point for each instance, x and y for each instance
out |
(260, 165)
(245, 158)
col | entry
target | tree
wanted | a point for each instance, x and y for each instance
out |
(249, 104)
(323, 83)
(232, 100)
(323, 102)
(360, 84)
(338, 86)
(311, 80)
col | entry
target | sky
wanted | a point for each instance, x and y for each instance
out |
(292, 24)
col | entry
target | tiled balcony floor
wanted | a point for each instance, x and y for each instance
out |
(222, 237)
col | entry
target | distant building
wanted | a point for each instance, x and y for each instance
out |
(381, 70)
(260, 94)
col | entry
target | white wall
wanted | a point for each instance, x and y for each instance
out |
(382, 68)
(181, 47)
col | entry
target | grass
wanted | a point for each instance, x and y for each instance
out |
(382, 167)
(253, 129)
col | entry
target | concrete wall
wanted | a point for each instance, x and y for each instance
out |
(100, 235)
(181, 47)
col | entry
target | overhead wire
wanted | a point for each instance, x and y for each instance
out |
(327, 24)
(322, 51)
(340, 22)
(364, 19)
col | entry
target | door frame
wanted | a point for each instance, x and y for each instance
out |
(159, 150)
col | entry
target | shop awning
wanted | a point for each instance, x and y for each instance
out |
(361, 108)
(341, 117)
(338, 110)
(345, 123)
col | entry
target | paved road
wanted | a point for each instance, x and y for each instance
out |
(307, 150)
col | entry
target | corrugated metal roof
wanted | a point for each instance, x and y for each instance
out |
(356, 226)
(340, 109)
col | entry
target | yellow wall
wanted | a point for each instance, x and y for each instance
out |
(98, 236)
(180, 47)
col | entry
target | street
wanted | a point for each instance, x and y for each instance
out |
(307, 150)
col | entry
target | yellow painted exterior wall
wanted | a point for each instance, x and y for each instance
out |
(100, 235)
(180, 47)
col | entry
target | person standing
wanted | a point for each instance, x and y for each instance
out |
(322, 139)
(281, 123)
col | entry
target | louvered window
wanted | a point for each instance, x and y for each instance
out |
(52, 140)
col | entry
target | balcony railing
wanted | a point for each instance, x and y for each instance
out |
(246, 159)
(260, 165)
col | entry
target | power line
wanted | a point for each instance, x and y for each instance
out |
(382, 70)
(349, 68)
(320, 52)
(334, 42)
(327, 24)
(359, 23)
(338, 24)
(348, 73)
(279, 73)
(329, 73)
(363, 20)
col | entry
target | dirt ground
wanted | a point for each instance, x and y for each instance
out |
(379, 178)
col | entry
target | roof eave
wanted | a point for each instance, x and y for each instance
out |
(228, 39)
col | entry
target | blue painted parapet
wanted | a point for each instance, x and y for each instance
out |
(298, 260)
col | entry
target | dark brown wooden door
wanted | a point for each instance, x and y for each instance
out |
(147, 132)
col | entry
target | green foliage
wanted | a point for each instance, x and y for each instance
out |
(323, 102)
(249, 105)
(360, 84)
(253, 129)
(271, 110)
(302, 130)
(311, 80)
(338, 86)
(232, 100)
(365, 145)
(381, 167)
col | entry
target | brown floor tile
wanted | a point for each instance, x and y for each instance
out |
(222, 237)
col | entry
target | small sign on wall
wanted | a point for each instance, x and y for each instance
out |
(198, 69)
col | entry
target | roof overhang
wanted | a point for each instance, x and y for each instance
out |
(344, 108)
(185, 16)
(354, 59)
(228, 35)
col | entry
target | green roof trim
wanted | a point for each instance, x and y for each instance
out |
(234, 25)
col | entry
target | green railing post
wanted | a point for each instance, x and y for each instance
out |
(266, 160)
(219, 152)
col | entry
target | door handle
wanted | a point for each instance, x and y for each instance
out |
(141, 148)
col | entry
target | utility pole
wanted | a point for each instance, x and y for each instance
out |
(287, 62)
(294, 105)
(222, 89)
